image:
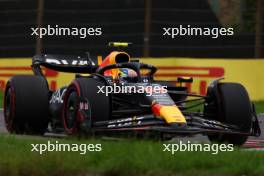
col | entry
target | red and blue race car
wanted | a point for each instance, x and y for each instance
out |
(91, 104)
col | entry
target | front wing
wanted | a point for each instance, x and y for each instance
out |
(152, 123)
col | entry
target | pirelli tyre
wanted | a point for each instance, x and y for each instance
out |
(26, 102)
(83, 105)
(230, 103)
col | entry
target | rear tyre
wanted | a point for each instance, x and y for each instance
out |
(26, 103)
(229, 103)
(83, 105)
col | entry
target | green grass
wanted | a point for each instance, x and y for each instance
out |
(121, 158)
(259, 106)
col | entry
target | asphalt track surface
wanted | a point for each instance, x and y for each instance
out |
(253, 142)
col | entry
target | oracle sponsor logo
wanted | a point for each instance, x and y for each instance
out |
(8, 71)
(203, 73)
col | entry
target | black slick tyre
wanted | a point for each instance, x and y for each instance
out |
(26, 102)
(82, 104)
(229, 103)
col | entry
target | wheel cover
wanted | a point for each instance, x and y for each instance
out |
(71, 110)
(70, 115)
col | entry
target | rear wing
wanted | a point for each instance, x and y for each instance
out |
(64, 63)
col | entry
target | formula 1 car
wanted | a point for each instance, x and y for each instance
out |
(89, 105)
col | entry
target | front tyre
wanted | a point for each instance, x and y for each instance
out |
(229, 103)
(83, 105)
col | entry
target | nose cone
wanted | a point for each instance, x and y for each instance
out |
(171, 114)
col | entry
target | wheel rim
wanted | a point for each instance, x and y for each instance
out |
(71, 110)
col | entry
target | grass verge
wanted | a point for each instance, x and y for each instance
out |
(121, 158)
(259, 106)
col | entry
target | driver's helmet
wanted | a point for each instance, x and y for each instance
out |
(122, 72)
(126, 72)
